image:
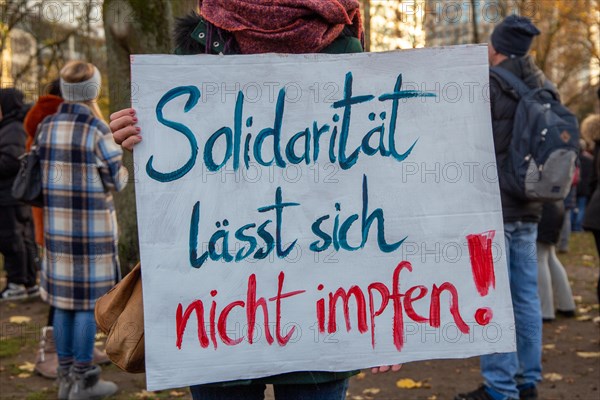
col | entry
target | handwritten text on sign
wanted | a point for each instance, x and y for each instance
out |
(317, 213)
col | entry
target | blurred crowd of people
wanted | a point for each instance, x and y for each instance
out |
(76, 229)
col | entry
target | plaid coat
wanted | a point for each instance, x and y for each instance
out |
(81, 165)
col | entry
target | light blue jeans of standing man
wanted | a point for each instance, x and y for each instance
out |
(505, 373)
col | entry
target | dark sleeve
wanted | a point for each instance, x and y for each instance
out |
(498, 125)
(12, 146)
(596, 169)
(503, 106)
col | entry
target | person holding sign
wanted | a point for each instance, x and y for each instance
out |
(81, 166)
(239, 27)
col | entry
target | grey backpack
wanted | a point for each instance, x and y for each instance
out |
(544, 146)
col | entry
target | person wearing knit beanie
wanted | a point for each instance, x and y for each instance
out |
(513, 36)
(515, 375)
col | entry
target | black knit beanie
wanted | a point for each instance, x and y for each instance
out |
(513, 36)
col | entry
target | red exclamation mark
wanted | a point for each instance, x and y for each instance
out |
(482, 268)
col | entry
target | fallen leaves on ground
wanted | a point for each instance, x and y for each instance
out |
(27, 367)
(560, 328)
(361, 375)
(550, 346)
(372, 391)
(553, 377)
(588, 354)
(583, 318)
(588, 260)
(408, 383)
(584, 309)
(19, 319)
(144, 394)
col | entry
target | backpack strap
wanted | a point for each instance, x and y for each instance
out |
(517, 84)
(549, 86)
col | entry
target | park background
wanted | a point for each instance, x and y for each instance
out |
(37, 37)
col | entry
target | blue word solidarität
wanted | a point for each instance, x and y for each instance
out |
(284, 153)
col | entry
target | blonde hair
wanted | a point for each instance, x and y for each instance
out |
(590, 129)
(79, 71)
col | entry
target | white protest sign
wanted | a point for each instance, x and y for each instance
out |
(317, 213)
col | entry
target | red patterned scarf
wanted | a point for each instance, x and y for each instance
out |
(283, 26)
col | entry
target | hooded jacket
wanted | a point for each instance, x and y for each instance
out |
(504, 105)
(12, 142)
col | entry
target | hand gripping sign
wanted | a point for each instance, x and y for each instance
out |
(317, 213)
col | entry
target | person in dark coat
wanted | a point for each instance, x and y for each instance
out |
(16, 226)
(509, 376)
(570, 205)
(553, 282)
(586, 169)
(591, 222)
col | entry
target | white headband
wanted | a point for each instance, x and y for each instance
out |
(82, 91)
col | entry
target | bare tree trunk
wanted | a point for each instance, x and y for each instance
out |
(11, 14)
(367, 19)
(88, 31)
(474, 21)
(134, 27)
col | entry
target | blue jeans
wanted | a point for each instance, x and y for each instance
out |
(335, 390)
(74, 334)
(578, 214)
(504, 373)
